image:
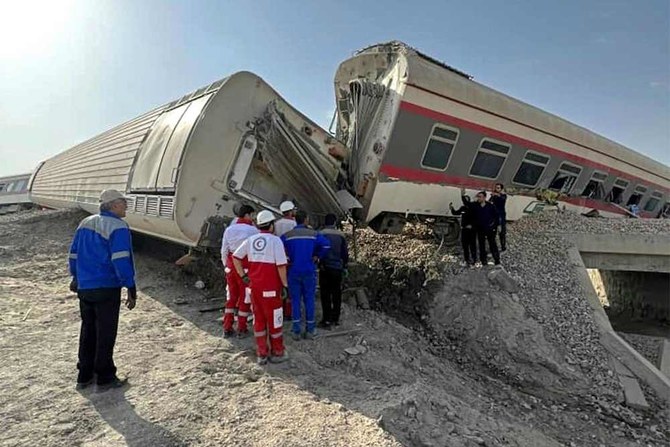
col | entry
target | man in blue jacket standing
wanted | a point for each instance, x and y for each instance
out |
(332, 270)
(101, 263)
(304, 247)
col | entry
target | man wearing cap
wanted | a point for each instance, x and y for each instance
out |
(287, 222)
(101, 263)
(267, 279)
(238, 294)
(283, 226)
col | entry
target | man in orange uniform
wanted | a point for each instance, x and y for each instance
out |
(267, 277)
(238, 299)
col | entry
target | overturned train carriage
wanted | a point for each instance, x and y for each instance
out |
(419, 130)
(14, 193)
(187, 164)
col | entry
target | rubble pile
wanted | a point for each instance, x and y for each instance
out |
(540, 335)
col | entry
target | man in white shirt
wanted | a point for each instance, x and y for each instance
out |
(287, 222)
(239, 296)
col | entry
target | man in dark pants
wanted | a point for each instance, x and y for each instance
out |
(486, 222)
(101, 263)
(499, 200)
(333, 269)
(468, 231)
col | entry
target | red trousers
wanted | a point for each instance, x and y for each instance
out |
(268, 321)
(238, 293)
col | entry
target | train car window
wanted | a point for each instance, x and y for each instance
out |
(653, 202)
(20, 186)
(439, 148)
(616, 194)
(595, 189)
(11, 186)
(2, 187)
(531, 169)
(636, 197)
(490, 159)
(565, 178)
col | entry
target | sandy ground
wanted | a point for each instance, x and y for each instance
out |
(189, 386)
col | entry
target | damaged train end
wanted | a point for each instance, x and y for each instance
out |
(186, 166)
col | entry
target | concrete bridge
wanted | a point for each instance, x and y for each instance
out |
(624, 252)
(635, 270)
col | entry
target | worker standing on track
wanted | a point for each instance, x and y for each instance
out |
(486, 222)
(101, 263)
(287, 222)
(333, 269)
(267, 278)
(304, 247)
(499, 200)
(238, 294)
(282, 226)
(468, 230)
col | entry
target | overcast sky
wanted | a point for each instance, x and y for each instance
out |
(70, 69)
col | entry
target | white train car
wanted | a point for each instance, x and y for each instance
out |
(419, 130)
(14, 193)
(185, 165)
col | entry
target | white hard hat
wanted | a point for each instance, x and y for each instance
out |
(110, 195)
(286, 206)
(265, 217)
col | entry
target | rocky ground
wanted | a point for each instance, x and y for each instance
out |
(446, 356)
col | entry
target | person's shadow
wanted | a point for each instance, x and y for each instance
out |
(115, 409)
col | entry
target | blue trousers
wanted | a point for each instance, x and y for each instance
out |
(302, 289)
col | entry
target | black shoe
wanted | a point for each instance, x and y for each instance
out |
(242, 334)
(115, 383)
(324, 325)
(279, 358)
(335, 323)
(83, 385)
(262, 361)
(228, 334)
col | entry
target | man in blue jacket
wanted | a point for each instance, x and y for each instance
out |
(304, 247)
(101, 263)
(332, 269)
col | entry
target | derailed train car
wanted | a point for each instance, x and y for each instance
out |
(185, 165)
(419, 131)
(14, 193)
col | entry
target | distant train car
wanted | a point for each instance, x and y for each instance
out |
(185, 165)
(419, 130)
(14, 193)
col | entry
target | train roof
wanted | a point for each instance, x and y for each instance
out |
(9, 178)
(442, 79)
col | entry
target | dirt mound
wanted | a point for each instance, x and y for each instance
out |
(493, 328)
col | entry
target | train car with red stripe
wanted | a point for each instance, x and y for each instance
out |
(420, 130)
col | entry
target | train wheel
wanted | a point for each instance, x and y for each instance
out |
(447, 231)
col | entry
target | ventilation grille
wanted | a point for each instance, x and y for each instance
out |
(157, 206)
(166, 207)
(141, 204)
(152, 206)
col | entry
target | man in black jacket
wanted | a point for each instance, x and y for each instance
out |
(499, 200)
(468, 231)
(333, 270)
(486, 222)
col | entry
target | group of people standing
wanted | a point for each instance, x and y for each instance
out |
(481, 222)
(271, 270)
